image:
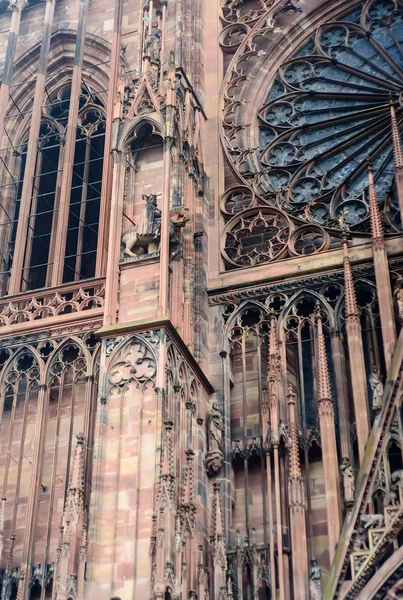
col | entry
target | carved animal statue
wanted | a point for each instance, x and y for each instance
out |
(397, 478)
(143, 243)
(372, 520)
(390, 498)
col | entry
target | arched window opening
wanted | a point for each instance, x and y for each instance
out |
(248, 362)
(143, 190)
(300, 337)
(49, 590)
(13, 591)
(42, 209)
(21, 381)
(395, 456)
(36, 591)
(85, 197)
(79, 254)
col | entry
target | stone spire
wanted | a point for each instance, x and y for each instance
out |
(375, 215)
(72, 549)
(356, 353)
(397, 145)
(382, 275)
(351, 306)
(324, 391)
(217, 522)
(398, 155)
(166, 483)
(295, 467)
(217, 544)
(328, 437)
(76, 482)
(188, 507)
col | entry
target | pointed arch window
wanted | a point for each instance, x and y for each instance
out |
(79, 253)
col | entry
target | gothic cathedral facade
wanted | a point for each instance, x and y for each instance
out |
(201, 299)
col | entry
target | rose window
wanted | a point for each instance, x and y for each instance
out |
(327, 111)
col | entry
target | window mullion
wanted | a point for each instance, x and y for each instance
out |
(53, 236)
(31, 221)
(83, 205)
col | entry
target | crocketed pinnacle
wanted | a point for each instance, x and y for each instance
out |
(167, 450)
(274, 372)
(77, 468)
(375, 215)
(217, 524)
(10, 556)
(397, 146)
(21, 586)
(295, 469)
(324, 392)
(351, 306)
(188, 488)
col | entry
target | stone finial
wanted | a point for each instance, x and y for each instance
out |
(375, 215)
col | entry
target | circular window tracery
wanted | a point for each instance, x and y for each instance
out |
(327, 110)
(257, 236)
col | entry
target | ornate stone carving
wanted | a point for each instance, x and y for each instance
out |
(179, 216)
(256, 236)
(348, 480)
(375, 520)
(398, 292)
(70, 299)
(377, 389)
(215, 431)
(315, 575)
(136, 364)
(152, 46)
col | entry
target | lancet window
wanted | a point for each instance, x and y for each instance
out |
(55, 385)
(78, 256)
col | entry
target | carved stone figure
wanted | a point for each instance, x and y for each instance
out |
(179, 216)
(390, 498)
(215, 431)
(153, 43)
(283, 433)
(290, 6)
(377, 389)
(215, 428)
(399, 298)
(315, 575)
(360, 542)
(397, 478)
(348, 480)
(144, 239)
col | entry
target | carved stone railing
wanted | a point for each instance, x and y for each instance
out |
(52, 302)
